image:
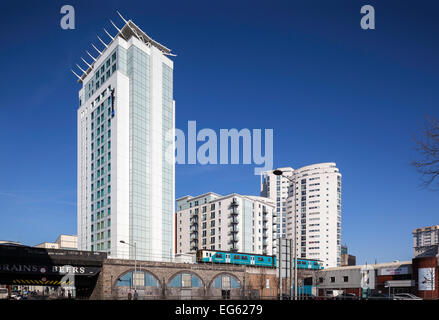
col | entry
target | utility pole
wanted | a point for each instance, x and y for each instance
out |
(295, 258)
(135, 261)
(291, 269)
(280, 173)
(280, 268)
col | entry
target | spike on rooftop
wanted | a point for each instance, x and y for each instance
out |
(130, 29)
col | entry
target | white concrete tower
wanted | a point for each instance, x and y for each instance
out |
(315, 203)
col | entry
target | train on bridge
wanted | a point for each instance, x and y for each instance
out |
(257, 260)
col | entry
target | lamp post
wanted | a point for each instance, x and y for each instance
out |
(280, 173)
(135, 261)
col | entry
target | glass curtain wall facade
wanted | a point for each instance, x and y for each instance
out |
(125, 150)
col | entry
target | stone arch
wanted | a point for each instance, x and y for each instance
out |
(180, 292)
(225, 274)
(131, 270)
(225, 293)
(185, 271)
(144, 292)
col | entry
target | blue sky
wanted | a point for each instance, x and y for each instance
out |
(329, 90)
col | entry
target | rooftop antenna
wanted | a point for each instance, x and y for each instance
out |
(79, 78)
(115, 26)
(102, 42)
(80, 68)
(91, 56)
(96, 48)
(86, 62)
(112, 38)
(121, 17)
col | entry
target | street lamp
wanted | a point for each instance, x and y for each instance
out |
(135, 261)
(278, 172)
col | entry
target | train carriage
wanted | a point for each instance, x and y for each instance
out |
(240, 258)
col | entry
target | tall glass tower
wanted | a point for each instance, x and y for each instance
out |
(126, 149)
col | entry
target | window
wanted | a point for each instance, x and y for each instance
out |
(345, 279)
(332, 279)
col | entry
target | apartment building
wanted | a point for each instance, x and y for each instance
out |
(234, 222)
(308, 203)
(426, 241)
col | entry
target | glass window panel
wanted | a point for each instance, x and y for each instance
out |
(186, 280)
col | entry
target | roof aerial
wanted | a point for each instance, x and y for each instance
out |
(130, 29)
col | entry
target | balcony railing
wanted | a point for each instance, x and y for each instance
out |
(233, 214)
(233, 223)
(234, 203)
